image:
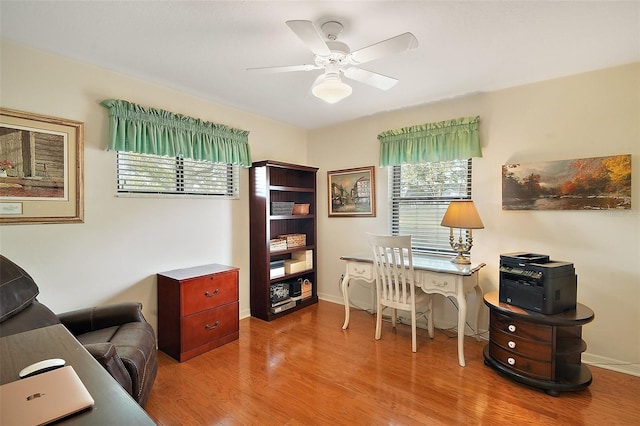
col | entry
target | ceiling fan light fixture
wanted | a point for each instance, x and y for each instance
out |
(331, 89)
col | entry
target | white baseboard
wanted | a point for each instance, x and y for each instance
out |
(331, 298)
(611, 364)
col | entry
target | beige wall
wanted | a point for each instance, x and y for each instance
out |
(587, 115)
(124, 242)
(115, 254)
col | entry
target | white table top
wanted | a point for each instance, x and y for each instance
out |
(425, 263)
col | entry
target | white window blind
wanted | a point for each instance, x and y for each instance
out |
(154, 174)
(419, 195)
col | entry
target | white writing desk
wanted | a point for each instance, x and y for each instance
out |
(433, 275)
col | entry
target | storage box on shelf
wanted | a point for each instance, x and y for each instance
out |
(294, 240)
(278, 244)
(301, 209)
(279, 292)
(307, 289)
(287, 238)
(282, 208)
(293, 266)
(306, 256)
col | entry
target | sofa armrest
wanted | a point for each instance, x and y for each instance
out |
(36, 315)
(106, 355)
(90, 319)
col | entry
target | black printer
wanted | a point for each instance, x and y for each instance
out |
(533, 282)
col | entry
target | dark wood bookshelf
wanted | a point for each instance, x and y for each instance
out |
(273, 181)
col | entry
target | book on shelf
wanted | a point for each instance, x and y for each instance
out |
(301, 297)
(276, 273)
(280, 308)
(281, 302)
(276, 269)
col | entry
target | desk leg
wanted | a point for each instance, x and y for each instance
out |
(345, 295)
(478, 306)
(462, 319)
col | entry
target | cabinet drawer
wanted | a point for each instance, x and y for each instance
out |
(526, 366)
(533, 349)
(440, 283)
(204, 327)
(360, 270)
(523, 329)
(209, 291)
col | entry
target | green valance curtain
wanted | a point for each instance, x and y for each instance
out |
(134, 128)
(444, 141)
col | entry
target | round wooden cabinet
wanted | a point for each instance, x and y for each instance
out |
(538, 350)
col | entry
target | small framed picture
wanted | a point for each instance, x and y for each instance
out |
(352, 192)
(41, 169)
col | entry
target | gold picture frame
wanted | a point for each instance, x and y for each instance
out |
(592, 183)
(41, 169)
(352, 192)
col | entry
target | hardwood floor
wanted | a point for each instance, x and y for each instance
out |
(303, 369)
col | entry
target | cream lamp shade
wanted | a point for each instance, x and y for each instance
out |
(331, 89)
(461, 214)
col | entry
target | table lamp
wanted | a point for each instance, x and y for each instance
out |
(461, 214)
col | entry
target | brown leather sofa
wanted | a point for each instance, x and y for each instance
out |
(118, 336)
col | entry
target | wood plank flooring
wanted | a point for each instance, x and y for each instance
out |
(303, 369)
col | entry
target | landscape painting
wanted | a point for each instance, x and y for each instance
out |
(598, 183)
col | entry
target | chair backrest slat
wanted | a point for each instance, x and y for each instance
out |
(393, 264)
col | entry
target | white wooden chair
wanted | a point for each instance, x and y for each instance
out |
(395, 282)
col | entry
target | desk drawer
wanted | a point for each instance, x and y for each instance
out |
(204, 327)
(209, 291)
(434, 282)
(360, 270)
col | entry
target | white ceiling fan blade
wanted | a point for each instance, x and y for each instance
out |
(286, 68)
(310, 36)
(384, 48)
(371, 78)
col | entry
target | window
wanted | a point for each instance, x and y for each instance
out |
(419, 195)
(154, 174)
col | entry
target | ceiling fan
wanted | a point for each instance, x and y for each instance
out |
(336, 58)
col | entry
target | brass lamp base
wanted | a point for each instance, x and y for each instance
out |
(461, 260)
(461, 247)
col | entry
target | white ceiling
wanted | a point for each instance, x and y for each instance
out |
(204, 47)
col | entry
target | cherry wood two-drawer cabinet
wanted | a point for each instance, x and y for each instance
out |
(198, 309)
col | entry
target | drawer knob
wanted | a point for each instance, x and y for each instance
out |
(359, 271)
(511, 344)
(216, 291)
(437, 284)
(511, 328)
(511, 361)
(212, 327)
